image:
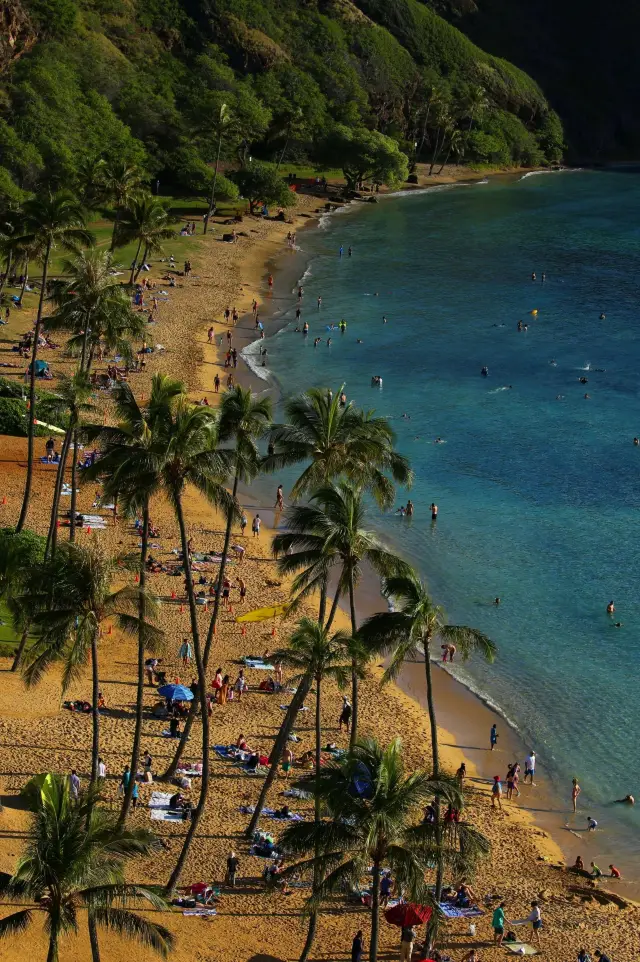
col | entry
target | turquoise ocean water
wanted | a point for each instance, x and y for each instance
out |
(538, 488)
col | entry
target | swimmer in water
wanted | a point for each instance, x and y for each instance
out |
(406, 417)
(543, 278)
(636, 442)
(618, 624)
(438, 441)
(384, 319)
(496, 602)
(316, 341)
(611, 608)
(627, 800)
(553, 362)
(583, 380)
(328, 342)
(359, 341)
(587, 397)
(533, 277)
(603, 317)
(519, 325)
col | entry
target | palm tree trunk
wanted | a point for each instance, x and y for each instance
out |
(276, 753)
(202, 695)
(435, 769)
(93, 931)
(213, 188)
(116, 221)
(52, 954)
(334, 608)
(137, 733)
(32, 394)
(354, 674)
(446, 160)
(171, 770)
(5, 276)
(313, 918)
(135, 262)
(95, 714)
(74, 481)
(375, 912)
(143, 261)
(436, 151)
(85, 337)
(52, 536)
(25, 281)
(18, 655)
(286, 144)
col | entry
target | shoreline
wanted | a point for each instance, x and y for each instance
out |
(462, 712)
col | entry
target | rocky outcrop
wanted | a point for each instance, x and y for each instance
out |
(17, 32)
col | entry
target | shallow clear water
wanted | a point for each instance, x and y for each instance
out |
(538, 487)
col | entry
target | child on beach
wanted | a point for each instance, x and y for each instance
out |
(496, 793)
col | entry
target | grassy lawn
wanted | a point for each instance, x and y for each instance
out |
(8, 638)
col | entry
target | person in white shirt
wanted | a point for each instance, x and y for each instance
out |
(102, 770)
(529, 767)
(535, 917)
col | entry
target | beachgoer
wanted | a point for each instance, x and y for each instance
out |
(591, 824)
(575, 791)
(319, 303)
(345, 714)
(434, 511)
(614, 872)
(497, 924)
(255, 526)
(493, 735)
(386, 887)
(210, 335)
(185, 652)
(496, 602)
(270, 281)
(611, 608)
(243, 522)
(461, 773)
(596, 872)
(579, 864)
(535, 917)
(627, 800)
(74, 784)
(529, 767)
(241, 684)
(287, 761)
(357, 947)
(102, 770)
(409, 509)
(232, 865)
(636, 441)
(583, 956)
(341, 251)
(601, 956)
(407, 939)
(496, 793)
(279, 498)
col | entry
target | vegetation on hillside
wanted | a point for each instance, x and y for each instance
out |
(148, 83)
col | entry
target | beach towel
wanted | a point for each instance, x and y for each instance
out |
(516, 948)
(274, 853)
(160, 800)
(222, 751)
(165, 815)
(200, 913)
(258, 664)
(453, 912)
(296, 793)
(286, 707)
(191, 772)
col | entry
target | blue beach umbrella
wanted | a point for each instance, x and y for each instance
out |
(176, 692)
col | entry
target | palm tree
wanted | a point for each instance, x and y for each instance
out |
(337, 441)
(71, 597)
(73, 396)
(443, 122)
(145, 220)
(372, 805)
(20, 552)
(475, 103)
(122, 181)
(455, 145)
(51, 220)
(10, 223)
(410, 631)
(131, 468)
(90, 181)
(328, 532)
(315, 656)
(244, 419)
(95, 308)
(223, 122)
(74, 860)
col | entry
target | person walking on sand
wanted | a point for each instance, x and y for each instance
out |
(407, 939)
(255, 526)
(496, 793)
(493, 736)
(232, 869)
(279, 499)
(216, 383)
(74, 784)
(575, 791)
(535, 917)
(357, 947)
(497, 924)
(210, 334)
(345, 714)
(185, 652)
(287, 761)
(529, 767)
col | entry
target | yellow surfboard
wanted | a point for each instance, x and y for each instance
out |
(263, 614)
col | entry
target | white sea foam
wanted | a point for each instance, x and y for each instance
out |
(251, 356)
(561, 170)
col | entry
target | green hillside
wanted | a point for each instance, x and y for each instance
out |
(144, 82)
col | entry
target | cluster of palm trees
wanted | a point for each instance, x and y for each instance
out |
(447, 122)
(90, 304)
(350, 465)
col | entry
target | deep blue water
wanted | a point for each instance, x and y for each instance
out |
(537, 487)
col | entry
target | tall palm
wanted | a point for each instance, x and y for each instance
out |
(244, 419)
(122, 181)
(145, 220)
(411, 630)
(90, 181)
(337, 441)
(475, 103)
(20, 552)
(51, 220)
(330, 531)
(315, 656)
(373, 811)
(443, 122)
(130, 466)
(71, 597)
(10, 229)
(73, 394)
(74, 860)
(189, 435)
(456, 142)
(94, 307)
(223, 122)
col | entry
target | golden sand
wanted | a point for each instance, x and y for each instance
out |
(37, 735)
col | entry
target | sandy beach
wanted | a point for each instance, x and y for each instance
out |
(37, 735)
